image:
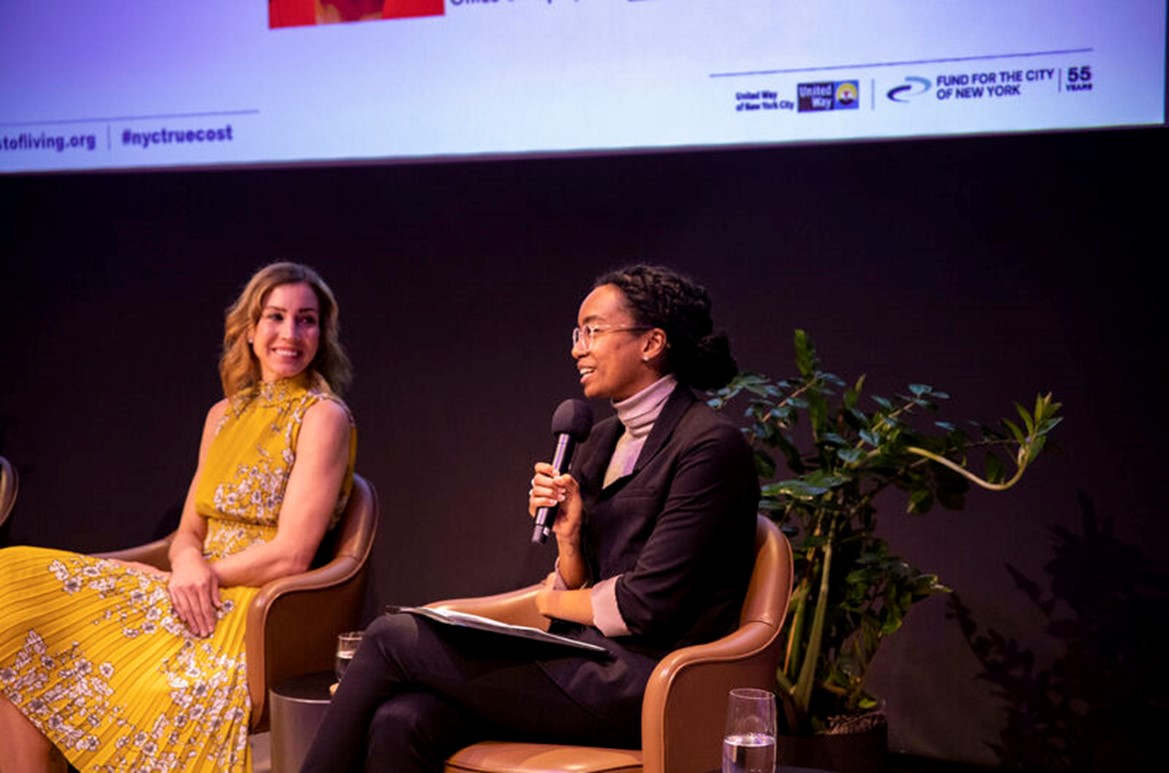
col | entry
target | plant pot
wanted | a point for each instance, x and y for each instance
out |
(857, 745)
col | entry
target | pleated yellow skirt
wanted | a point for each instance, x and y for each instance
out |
(92, 654)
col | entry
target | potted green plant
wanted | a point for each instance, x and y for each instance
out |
(841, 451)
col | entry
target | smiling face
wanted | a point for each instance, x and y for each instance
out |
(286, 336)
(619, 363)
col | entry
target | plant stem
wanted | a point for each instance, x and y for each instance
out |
(966, 473)
(803, 693)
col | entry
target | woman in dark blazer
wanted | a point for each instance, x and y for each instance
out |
(654, 529)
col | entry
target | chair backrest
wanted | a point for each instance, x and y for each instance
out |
(771, 580)
(9, 485)
(355, 529)
(358, 525)
(684, 710)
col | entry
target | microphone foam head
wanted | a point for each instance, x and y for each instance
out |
(573, 418)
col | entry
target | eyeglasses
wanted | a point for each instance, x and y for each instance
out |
(583, 336)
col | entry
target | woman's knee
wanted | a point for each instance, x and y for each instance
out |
(390, 635)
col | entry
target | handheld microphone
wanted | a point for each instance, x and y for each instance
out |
(570, 425)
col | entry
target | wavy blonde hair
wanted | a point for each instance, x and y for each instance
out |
(238, 367)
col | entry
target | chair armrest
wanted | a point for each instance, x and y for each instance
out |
(681, 725)
(292, 626)
(517, 607)
(155, 553)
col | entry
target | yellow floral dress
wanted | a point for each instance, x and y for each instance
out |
(91, 651)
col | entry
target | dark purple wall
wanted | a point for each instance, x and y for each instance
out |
(991, 267)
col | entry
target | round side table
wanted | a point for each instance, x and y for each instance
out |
(297, 705)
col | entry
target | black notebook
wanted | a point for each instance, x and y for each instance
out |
(464, 620)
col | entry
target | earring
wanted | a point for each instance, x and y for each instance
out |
(251, 341)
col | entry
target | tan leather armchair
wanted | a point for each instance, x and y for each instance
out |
(9, 485)
(684, 710)
(293, 622)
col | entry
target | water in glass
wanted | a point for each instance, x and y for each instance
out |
(346, 647)
(749, 740)
(342, 663)
(749, 753)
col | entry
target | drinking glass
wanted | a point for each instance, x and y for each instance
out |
(346, 646)
(749, 741)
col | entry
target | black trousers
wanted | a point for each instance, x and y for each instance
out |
(417, 691)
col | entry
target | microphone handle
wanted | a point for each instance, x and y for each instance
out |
(546, 516)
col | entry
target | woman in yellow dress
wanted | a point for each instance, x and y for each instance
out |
(124, 667)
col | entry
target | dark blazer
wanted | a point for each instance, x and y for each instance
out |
(680, 532)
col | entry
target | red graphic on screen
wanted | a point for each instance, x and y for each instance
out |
(396, 9)
(301, 13)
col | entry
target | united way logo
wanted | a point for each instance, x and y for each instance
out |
(913, 87)
(828, 95)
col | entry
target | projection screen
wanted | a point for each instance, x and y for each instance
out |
(127, 84)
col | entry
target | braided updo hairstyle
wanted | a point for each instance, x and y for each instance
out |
(660, 297)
